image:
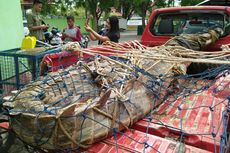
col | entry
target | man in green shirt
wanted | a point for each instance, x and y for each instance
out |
(34, 20)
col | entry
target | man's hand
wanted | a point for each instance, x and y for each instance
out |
(44, 27)
(64, 35)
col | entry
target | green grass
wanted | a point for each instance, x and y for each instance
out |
(7, 66)
(61, 23)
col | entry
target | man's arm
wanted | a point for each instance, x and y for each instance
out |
(31, 26)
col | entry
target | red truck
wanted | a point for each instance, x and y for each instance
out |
(166, 23)
(169, 22)
(198, 123)
(203, 132)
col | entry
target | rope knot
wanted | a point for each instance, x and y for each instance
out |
(146, 145)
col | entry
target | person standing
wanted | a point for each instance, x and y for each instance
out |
(35, 23)
(72, 32)
(109, 33)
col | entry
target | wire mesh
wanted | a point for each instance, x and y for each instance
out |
(8, 73)
(20, 67)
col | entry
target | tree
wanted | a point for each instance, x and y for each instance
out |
(160, 3)
(58, 7)
(127, 7)
(95, 8)
(170, 3)
(141, 7)
(105, 6)
(190, 2)
(48, 7)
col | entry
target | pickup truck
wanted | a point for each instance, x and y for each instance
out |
(164, 128)
(198, 123)
(169, 22)
(166, 23)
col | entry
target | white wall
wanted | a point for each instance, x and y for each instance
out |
(11, 24)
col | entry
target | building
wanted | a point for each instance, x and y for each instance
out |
(11, 24)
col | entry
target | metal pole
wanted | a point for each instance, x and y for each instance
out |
(17, 72)
(1, 85)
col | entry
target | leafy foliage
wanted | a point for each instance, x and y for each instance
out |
(160, 3)
(142, 6)
(95, 8)
(128, 8)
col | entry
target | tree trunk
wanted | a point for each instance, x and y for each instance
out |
(92, 7)
(86, 13)
(143, 12)
(127, 11)
(143, 21)
(95, 26)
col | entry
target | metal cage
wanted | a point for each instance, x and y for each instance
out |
(19, 67)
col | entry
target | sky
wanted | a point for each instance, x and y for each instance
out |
(177, 2)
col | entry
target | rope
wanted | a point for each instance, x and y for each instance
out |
(73, 92)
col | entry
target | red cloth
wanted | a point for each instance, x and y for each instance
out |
(60, 60)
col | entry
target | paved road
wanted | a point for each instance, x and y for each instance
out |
(126, 35)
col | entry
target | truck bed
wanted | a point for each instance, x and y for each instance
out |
(191, 124)
(134, 142)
